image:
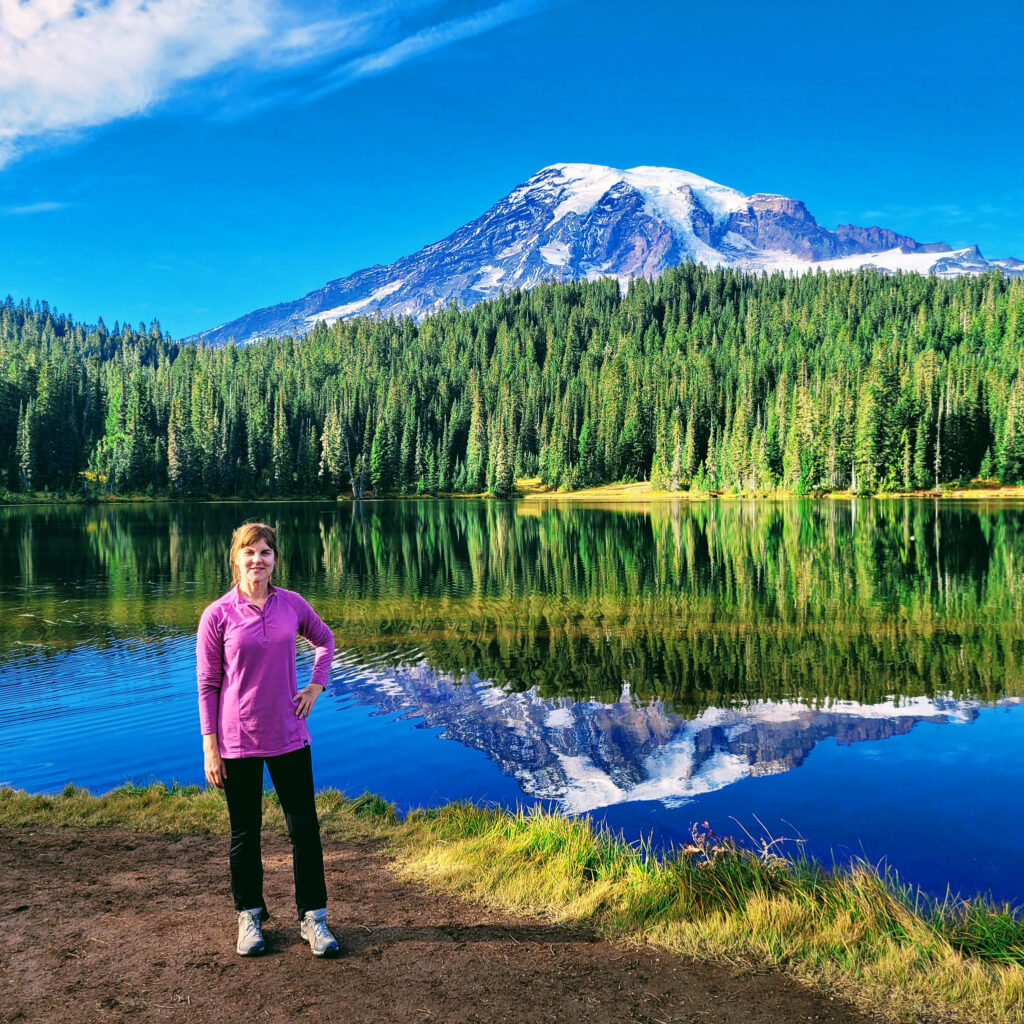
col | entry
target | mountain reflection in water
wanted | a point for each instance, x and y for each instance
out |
(587, 754)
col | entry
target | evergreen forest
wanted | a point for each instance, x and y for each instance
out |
(703, 379)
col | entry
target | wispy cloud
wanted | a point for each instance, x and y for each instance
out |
(422, 42)
(432, 38)
(30, 208)
(70, 65)
(947, 213)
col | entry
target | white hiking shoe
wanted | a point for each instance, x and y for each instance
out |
(315, 931)
(250, 932)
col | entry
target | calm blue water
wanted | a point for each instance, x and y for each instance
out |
(97, 679)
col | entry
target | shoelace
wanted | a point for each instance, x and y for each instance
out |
(319, 928)
(252, 929)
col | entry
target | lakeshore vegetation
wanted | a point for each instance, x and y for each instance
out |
(849, 931)
(703, 380)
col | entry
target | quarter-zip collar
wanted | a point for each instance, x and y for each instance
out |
(242, 601)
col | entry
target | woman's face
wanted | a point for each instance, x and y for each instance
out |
(255, 563)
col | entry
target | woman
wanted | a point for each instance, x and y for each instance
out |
(251, 713)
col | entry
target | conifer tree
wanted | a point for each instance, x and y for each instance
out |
(25, 449)
(689, 462)
(180, 456)
(281, 451)
(504, 477)
(476, 445)
(1011, 454)
(382, 458)
(332, 451)
(587, 460)
(675, 480)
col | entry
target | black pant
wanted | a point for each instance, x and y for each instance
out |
(292, 775)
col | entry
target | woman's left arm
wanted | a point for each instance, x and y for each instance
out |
(319, 634)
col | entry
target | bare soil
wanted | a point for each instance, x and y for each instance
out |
(104, 925)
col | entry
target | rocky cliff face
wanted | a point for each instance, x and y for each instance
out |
(855, 239)
(572, 221)
(780, 224)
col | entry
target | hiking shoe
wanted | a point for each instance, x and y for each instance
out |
(250, 932)
(315, 931)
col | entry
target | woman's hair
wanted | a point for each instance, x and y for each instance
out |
(246, 535)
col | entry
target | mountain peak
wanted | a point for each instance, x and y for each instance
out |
(577, 220)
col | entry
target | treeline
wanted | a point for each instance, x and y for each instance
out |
(703, 379)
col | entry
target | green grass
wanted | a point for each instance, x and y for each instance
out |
(185, 810)
(851, 932)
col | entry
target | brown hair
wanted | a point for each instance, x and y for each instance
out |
(243, 537)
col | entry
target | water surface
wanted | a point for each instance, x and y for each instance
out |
(843, 673)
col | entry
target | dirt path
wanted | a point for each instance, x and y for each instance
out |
(100, 925)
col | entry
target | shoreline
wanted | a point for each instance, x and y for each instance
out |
(530, 491)
(851, 933)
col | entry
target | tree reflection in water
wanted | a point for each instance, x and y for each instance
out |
(694, 604)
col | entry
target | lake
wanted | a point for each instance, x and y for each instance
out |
(842, 676)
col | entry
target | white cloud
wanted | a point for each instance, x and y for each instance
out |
(70, 65)
(65, 66)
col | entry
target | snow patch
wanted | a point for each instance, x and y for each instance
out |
(558, 718)
(951, 264)
(587, 787)
(490, 276)
(350, 308)
(512, 250)
(556, 253)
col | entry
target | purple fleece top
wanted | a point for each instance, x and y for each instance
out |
(245, 664)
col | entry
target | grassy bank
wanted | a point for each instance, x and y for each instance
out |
(850, 932)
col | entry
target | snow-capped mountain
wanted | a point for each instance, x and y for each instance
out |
(572, 221)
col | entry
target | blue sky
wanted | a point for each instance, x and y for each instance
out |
(192, 160)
